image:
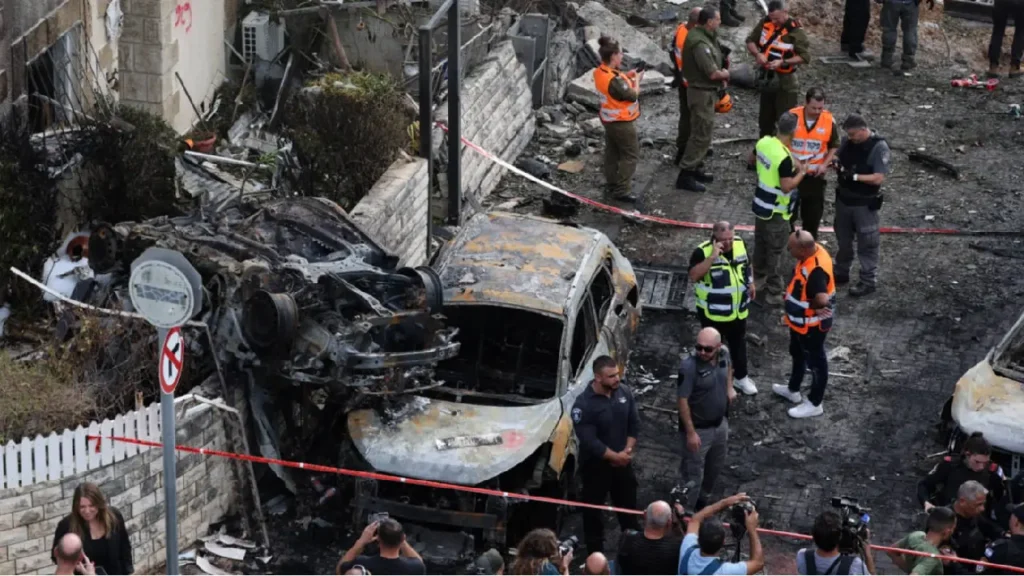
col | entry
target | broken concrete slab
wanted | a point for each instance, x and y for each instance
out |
(633, 41)
(583, 91)
(561, 65)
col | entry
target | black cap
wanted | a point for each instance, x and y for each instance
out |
(1018, 511)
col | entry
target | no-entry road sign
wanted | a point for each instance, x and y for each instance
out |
(172, 357)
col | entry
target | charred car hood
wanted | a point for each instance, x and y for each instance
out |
(448, 441)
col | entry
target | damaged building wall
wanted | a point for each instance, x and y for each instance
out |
(31, 27)
(497, 114)
(164, 37)
(394, 211)
(206, 490)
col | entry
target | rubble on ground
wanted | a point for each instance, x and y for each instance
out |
(633, 42)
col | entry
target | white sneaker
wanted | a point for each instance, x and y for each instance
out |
(783, 390)
(745, 385)
(806, 410)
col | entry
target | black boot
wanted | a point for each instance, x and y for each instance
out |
(686, 181)
(679, 157)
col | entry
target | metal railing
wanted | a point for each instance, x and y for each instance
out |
(454, 40)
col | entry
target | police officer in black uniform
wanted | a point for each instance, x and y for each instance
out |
(606, 423)
(940, 487)
(1008, 551)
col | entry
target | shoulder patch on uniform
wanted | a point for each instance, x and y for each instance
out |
(794, 23)
(707, 49)
(577, 415)
(886, 157)
(989, 552)
(948, 458)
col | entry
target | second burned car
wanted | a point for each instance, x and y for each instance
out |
(535, 302)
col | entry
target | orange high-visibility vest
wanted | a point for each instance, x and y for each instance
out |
(811, 145)
(677, 48)
(613, 110)
(800, 317)
(776, 49)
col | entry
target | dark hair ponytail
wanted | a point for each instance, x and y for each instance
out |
(607, 48)
(976, 444)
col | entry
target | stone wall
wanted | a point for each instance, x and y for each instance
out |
(394, 211)
(162, 37)
(497, 115)
(205, 486)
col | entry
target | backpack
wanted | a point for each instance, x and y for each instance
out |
(684, 563)
(844, 562)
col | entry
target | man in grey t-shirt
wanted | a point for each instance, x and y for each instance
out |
(862, 163)
(705, 391)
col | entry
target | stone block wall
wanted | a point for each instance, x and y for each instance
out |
(497, 115)
(394, 211)
(205, 488)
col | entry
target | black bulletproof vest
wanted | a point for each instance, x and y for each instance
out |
(854, 159)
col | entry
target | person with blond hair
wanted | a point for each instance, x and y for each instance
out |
(101, 529)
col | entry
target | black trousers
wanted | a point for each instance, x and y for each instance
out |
(599, 480)
(1001, 13)
(856, 17)
(734, 334)
(811, 203)
(808, 351)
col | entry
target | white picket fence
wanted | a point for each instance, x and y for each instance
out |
(57, 456)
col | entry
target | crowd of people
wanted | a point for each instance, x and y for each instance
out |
(799, 146)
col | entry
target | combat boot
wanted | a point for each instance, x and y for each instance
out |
(687, 181)
(730, 21)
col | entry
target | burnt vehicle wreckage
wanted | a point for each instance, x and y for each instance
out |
(464, 375)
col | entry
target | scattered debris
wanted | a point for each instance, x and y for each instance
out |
(973, 82)
(840, 352)
(534, 168)
(228, 552)
(208, 567)
(634, 42)
(572, 166)
(933, 162)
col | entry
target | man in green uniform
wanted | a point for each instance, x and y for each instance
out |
(705, 75)
(780, 46)
(778, 176)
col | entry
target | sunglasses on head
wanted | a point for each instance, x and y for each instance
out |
(700, 348)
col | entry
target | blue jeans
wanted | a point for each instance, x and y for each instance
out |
(808, 351)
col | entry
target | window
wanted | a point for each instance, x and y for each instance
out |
(601, 291)
(584, 335)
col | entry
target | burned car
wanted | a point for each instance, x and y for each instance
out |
(989, 398)
(298, 301)
(535, 302)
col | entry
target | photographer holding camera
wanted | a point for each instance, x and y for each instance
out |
(396, 556)
(705, 536)
(825, 557)
(539, 552)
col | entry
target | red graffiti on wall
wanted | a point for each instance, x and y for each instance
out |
(183, 15)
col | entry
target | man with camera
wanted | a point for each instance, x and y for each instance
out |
(826, 557)
(656, 549)
(395, 556)
(705, 537)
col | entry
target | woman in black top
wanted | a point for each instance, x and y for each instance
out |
(101, 528)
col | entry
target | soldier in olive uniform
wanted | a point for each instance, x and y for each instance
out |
(619, 93)
(705, 75)
(779, 45)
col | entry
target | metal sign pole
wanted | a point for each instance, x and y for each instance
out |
(167, 427)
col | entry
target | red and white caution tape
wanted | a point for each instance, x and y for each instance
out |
(669, 221)
(490, 492)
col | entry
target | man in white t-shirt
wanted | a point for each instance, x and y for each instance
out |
(705, 536)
